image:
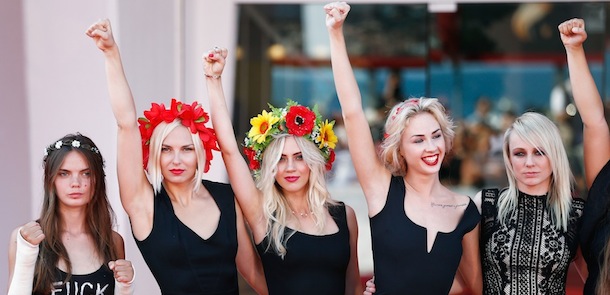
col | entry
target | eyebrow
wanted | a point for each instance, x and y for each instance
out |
(420, 135)
(295, 154)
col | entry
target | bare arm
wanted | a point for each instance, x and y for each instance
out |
(352, 277)
(587, 99)
(248, 262)
(360, 140)
(245, 189)
(135, 190)
(470, 264)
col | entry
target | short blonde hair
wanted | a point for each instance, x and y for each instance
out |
(155, 176)
(399, 118)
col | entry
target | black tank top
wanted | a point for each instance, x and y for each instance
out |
(100, 282)
(184, 263)
(312, 264)
(401, 261)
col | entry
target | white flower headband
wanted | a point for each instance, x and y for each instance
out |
(73, 143)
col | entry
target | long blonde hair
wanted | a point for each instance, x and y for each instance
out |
(603, 280)
(543, 134)
(275, 206)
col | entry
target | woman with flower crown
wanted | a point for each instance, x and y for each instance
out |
(424, 236)
(71, 248)
(190, 231)
(306, 240)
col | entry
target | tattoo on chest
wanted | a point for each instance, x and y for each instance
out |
(450, 206)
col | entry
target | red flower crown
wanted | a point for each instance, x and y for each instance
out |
(191, 115)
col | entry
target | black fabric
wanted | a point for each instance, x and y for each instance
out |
(100, 282)
(595, 230)
(401, 260)
(184, 263)
(526, 254)
(312, 264)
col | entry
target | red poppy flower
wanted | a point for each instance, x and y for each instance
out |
(300, 120)
(251, 154)
(331, 159)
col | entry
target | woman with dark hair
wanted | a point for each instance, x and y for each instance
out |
(72, 246)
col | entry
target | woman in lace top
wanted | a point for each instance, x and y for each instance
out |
(528, 230)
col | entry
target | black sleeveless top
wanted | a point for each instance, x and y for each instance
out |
(100, 282)
(401, 260)
(595, 230)
(184, 263)
(312, 264)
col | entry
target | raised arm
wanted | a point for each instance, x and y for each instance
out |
(587, 98)
(135, 190)
(359, 138)
(244, 187)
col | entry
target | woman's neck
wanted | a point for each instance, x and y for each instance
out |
(181, 193)
(424, 185)
(73, 221)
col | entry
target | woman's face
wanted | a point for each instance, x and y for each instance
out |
(292, 170)
(423, 144)
(178, 156)
(73, 181)
(532, 167)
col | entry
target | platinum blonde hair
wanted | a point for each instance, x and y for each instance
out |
(275, 206)
(155, 175)
(542, 133)
(399, 118)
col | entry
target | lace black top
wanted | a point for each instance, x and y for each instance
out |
(527, 254)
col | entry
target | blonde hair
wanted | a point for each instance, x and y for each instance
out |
(275, 206)
(155, 176)
(543, 134)
(399, 118)
(603, 280)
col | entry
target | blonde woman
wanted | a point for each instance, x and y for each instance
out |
(190, 231)
(423, 234)
(529, 230)
(306, 240)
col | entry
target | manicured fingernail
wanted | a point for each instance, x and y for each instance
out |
(211, 55)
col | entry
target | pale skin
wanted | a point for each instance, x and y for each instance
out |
(198, 211)
(291, 166)
(596, 142)
(72, 186)
(422, 184)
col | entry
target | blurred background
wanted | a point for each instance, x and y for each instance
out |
(487, 61)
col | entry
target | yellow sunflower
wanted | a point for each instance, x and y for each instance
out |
(261, 125)
(327, 135)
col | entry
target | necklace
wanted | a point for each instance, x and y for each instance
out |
(302, 214)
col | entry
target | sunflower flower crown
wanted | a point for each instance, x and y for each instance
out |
(292, 119)
(191, 116)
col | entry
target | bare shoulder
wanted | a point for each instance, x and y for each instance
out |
(350, 213)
